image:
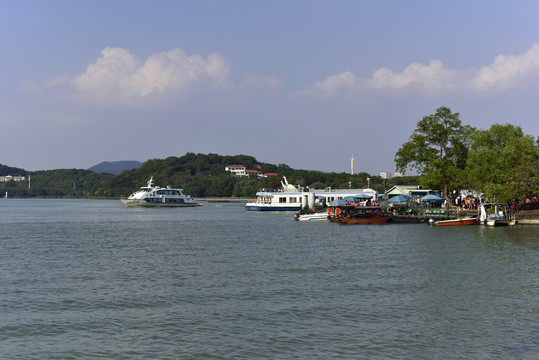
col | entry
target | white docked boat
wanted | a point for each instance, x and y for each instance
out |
(154, 196)
(294, 198)
(496, 215)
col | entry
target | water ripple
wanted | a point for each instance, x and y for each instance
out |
(92, 279)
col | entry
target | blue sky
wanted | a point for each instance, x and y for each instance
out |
(305, 83)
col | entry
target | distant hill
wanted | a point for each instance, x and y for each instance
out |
(115, 167)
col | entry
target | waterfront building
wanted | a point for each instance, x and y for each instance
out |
(412, 191)
(253, 173)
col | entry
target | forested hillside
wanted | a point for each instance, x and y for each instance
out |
(13, 171)
(200, 175)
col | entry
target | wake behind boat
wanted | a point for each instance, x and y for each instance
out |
(154, 196)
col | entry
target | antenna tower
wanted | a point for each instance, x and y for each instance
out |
(352, 164)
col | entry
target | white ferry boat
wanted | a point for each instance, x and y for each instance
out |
(154, 196)
(294, 198)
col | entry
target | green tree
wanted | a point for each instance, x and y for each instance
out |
(498, 158)
(318, 185)
(437, 149)
(523, 182)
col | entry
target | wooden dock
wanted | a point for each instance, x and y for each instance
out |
(424, 215)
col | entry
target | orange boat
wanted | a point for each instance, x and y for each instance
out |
(357, 214)
(456, 222)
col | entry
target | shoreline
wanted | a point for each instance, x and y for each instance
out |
(523, 217)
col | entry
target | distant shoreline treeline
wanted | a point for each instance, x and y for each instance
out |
(200, 175)
(501, 163)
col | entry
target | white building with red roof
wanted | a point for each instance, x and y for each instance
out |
(236, 170)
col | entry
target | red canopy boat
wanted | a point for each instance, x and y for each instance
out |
(357, 214)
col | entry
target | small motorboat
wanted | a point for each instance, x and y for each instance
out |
(497, 215)
(321, 216)
(456, 222)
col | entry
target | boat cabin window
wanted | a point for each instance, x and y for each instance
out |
(282, 200)
(293, 200)
(167, 192)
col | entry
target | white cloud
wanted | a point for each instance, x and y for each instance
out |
(436, 77)
(333, 84)
(433, 77)
(174, 71)
(108, 72)
(506, 71)
(118, 75)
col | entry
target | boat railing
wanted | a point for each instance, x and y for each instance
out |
(260, 202)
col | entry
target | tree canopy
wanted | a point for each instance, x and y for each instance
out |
(437, 149)
(502, 162)
(499, 160)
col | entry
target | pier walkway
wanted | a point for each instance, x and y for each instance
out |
(423, 215)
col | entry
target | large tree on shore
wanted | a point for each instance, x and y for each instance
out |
(438, 150)
(501, 162)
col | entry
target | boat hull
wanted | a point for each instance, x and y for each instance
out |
(456, 222)
(144, 203)
(374, 220)
(500, 222)
(263, 207)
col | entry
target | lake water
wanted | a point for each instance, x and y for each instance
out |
(90, 279)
